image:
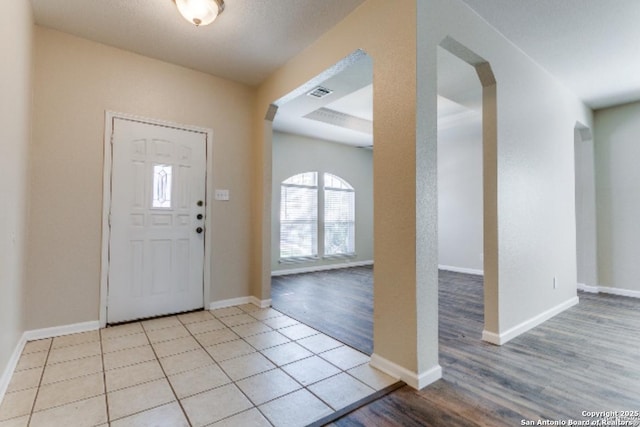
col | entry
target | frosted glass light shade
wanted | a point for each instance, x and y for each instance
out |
(200, 12)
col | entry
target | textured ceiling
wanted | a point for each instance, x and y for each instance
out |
(591, 46)
(246, 43)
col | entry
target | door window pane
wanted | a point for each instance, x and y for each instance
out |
(162, 186)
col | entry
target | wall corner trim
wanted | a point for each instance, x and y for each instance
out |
(39, 334)
(413, 379)
(508, 335)
(491, 337)
(239, 301)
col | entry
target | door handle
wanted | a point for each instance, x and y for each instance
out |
(199, 230)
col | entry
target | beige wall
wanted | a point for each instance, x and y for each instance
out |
(16, 30)
(388, 35)
(76, 80)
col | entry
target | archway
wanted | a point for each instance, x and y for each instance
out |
(320, 130)
(489, 186)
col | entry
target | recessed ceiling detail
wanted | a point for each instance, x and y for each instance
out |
(345, 116)
(337, 118)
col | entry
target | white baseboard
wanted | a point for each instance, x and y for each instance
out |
(508, 335)
(609, 290)
(620, 292)
(240, 301)
(5, 379)
(264, 303)
(491, 337)
(587, 288)
(313, 269)
(39, 334)
(461, 270)
(56, 331)
(415, 380)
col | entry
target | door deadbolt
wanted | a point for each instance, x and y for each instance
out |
(200, 203)
(199, 230)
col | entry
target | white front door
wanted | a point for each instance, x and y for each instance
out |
(156, 245)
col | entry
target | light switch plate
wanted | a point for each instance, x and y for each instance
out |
(222, 195)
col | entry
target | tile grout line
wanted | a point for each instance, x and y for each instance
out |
(104, 378)
(257, 407)
(40, 385)
(220, 367)
(35, 398)
(314, 354)
(201, 346)
(192, 335)
(279, 367)
(166, 377)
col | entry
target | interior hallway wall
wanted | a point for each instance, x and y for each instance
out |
(535, 208)
(294, 154)
(617, 154)
(16, 33)
(460, 242)
(76, 80)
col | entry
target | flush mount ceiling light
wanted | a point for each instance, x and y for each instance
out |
(200, 12)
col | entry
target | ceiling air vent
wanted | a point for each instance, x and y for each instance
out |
(320, 92)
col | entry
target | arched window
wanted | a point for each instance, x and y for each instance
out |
(316, 223)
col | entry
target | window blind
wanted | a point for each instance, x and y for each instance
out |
(339, 216)
(299, 216)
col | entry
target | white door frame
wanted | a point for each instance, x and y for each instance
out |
(106, 203)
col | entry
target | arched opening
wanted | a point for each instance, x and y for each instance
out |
(486, 167)
(321, 201)
(460, 204)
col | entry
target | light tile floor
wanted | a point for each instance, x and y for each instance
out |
(237, 366)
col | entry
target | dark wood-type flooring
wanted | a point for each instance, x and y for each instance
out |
(585, 359)
(338, 303)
